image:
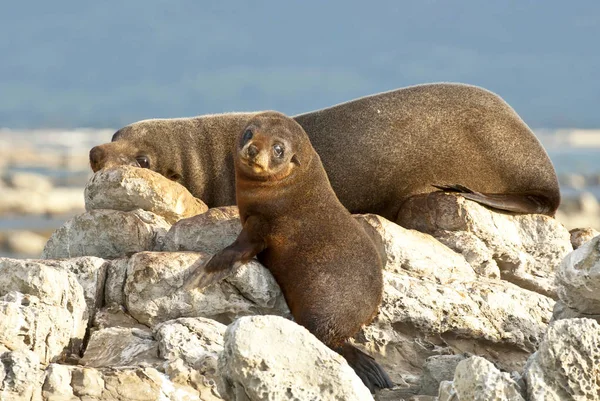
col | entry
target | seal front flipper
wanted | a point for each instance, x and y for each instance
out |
(516, 203)
(247, 245)
(369, 371)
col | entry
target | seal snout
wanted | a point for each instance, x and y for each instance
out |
(97, 158)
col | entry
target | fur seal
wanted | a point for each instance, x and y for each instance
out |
(328, 267)
(378, 151)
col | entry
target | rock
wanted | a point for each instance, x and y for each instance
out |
(25, 243)
(30, 181)
(562, 311)
(120, 346)
(43, 309)
(567, 364)
(116, 384)
(578, 278)
(191, 347)
(476, 379)
(114, 292)
(115, 316)
(90, 273)
(107, 234)
(580, 236)
(57, 201)
(208, 232)
(419, 318)
(294, 365)
(153, 290)
(437, 369)
(417, 253)
(20, 376)
(129, 188)
(526, 248)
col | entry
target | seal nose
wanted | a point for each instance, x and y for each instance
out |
(97, 158)
(252, 151)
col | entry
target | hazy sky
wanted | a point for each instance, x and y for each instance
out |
(109, 63)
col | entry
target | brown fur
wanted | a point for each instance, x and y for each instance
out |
(377, 150)
(328, 267)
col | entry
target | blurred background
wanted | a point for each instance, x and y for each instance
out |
(73, 72)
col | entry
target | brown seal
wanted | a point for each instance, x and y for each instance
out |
(378, 151)
(328, 267)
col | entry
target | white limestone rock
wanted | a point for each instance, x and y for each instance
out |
(128, 188)
(106, 234)
(153, 292)
(567, 364)
(291, 365)
(578, 278)
(526, 248)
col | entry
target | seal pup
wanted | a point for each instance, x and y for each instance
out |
(378, 151)
(328, 267)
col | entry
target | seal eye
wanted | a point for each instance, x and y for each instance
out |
(247, 136)
(143, 161)
(278, 151)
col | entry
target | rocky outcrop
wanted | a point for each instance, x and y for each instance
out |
(110, 321)
(106, 234)
(476, 379)
(567, 364)
(128, 188)
(523, 249)
(42, 309)
(294, 365)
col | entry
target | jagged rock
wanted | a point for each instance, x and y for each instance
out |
(417, 253)
(117, 384)
(487, 317)
(120, 346)
(578, 278)
(191, 347)
(153, 290)
(42, 309)
(107, 234)
(476, 379)
(580, 236)
(21, 376)
(526, 248)
(114, 292)
(562, 311)
(90, 273)
(437, 369)
(115, 316)
(567, 364)
(208, 232)
(292, 364)
(128, 188)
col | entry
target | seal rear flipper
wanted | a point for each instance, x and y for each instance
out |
(516, 203)
(369, 371)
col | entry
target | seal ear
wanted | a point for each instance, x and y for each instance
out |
(296, 160)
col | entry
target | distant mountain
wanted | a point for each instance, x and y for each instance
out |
(108, 63)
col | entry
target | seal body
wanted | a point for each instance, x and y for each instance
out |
(328, 267)
(377, 151)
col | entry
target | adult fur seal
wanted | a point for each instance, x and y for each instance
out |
(328, 268)
(377, 151)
